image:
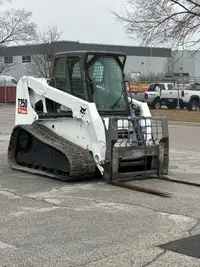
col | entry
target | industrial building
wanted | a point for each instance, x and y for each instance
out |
(145, 60)
(186, 61)
(140, 59)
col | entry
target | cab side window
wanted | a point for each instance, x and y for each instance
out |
(75, 77)
(169, 86)
(61, 76)
(162, 87)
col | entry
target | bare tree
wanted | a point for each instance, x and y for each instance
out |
(15, 28)
(173, 22)
(2, 1)
(146, 78)
(4, 67)
(168, 65)
(41, 64)
(152, 77)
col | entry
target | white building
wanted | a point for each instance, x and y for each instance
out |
(187, 62)
(140, 59)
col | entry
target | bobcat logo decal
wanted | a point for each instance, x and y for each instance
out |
(83, 110)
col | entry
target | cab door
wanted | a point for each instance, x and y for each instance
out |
(173, 92)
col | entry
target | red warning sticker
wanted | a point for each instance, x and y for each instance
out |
(22, 110)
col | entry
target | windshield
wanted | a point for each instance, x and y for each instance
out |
(108, 85)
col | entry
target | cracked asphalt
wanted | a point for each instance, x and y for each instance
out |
(44, 222)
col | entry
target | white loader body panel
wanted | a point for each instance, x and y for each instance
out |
(85, 128)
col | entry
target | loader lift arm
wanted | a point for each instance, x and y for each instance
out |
(80, 110)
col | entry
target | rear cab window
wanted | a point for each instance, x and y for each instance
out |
(194, 87)
(170, 86)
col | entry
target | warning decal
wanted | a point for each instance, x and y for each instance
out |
(22, 106)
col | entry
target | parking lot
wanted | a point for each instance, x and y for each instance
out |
(44, 222)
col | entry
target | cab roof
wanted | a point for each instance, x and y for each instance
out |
(87, 52)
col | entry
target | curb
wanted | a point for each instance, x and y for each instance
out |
(182, 123)
(5, 133)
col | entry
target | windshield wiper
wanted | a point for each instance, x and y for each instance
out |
(117, 101)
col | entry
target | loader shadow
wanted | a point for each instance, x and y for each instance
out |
(98, 179)
(88, 180)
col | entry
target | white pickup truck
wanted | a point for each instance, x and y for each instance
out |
(167, 94)
(153, 95)
(190, 97)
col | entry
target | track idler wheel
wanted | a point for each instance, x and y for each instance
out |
(24, 141)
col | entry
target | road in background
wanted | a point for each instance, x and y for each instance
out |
(44, 222)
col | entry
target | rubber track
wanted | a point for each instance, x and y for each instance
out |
(82, 165)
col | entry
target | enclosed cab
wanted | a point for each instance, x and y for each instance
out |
(94, 77)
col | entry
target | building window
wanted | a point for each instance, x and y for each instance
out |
(8, 60)
(26, 59)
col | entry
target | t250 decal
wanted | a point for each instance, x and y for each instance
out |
(22, 106)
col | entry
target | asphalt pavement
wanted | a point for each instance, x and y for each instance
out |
(48, 223)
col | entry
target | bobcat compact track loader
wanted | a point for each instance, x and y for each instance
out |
(83, 124)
